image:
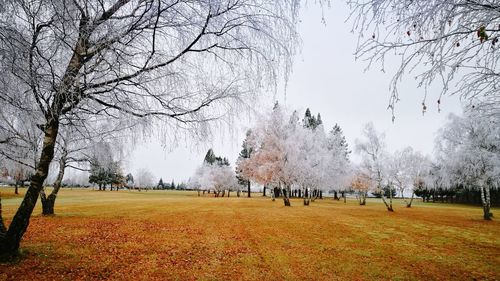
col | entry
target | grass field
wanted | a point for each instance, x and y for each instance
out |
(158, 235)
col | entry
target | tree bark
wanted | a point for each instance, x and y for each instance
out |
(408, 205)
(48, 202)
(3, 229)
(387, 205)
(485, 198)
(286, 195)
(306, 194)
(264, 194)
(335, 195)
(248, 183)
(9, 243)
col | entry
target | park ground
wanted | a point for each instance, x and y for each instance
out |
(172, 235)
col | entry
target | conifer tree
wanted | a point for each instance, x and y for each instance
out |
(245, 153)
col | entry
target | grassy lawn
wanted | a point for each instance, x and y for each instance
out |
(158, 235)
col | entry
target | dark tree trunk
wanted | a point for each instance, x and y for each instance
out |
(3, 229)
(248, 183)
(300, 193)
(335, 195)
(16, 188)
(264, 194)
(306, 197)
(321, 194)
(9, 243)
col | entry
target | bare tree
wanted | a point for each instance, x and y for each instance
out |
(373, 152)
(174, 63)
(443, 41)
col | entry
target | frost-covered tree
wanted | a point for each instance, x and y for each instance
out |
(105, 166)
(406, 170)
(144, 179)
(468, 153)
(245, 153)
(455, 43)
(164, 62)
(292, 153)
(218, 178)
(374, 158)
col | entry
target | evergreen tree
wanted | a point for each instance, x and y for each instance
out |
(339, 136)
(104, 175)
(160, 184)
(245, 153)
(310, 121)
(210, 157)
(172, 185)
(129, 179)
(318, 120)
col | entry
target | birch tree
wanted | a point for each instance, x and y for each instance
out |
(468, 152)
(453, 43)
(374, 155)
(164, 62)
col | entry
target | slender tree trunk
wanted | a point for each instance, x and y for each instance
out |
(48, 202)
(9, 243)
(411, 200)
(248, 183)
(264, 194)
(16, 188)
(485, 198)
(343, 195)
(306, 194)
(228, 192)
(387, 205)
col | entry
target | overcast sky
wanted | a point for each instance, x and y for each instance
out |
(327, 79)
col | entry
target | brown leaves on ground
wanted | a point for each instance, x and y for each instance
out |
(178, 236)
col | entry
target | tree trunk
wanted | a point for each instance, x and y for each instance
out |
(286, 196)
(3, 229)
(228, 192)
(248, 183)
(16, 188)
(411, 200)
(485, 198)
(9, 243)
(306, 196)
(223, 193)
(48, 202)
(387, 205)
(264, 194)
(335, 195)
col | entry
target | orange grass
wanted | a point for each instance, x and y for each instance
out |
(158, 235)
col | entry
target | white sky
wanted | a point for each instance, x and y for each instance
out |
(327, 79)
